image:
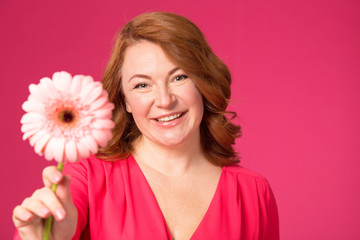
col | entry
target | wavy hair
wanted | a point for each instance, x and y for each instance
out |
(184, 44)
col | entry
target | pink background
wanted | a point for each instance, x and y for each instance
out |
(295, 67)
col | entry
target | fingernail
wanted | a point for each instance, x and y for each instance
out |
(26, 216)
(60, 214)
(56, 177)
(45, 211)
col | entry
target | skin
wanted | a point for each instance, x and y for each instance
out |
(28, 217)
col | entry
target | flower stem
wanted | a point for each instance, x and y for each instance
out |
(48, 221)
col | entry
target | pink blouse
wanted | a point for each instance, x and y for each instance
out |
(115, 201)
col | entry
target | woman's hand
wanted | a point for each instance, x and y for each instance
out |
(29, 217)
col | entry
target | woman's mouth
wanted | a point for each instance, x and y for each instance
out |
(169, 118)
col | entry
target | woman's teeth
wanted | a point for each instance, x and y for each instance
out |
(169, 118)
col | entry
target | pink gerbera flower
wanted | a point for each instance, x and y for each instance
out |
(67, 118)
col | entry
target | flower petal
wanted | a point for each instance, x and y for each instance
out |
(91, 144)
(103, 123)
(36, 93)
(102, 113)
(62, 81)
(109, 106)
(39, 145)
(76, 84)
(98, 103)
(101, 137)
(70, 151)
(109, 134)
(87, 87)
(50, 149)
(59, 149)
(93, 95)
(29, 133)
(33, 106)
(36, 137)
(87, 80)
(31, 126)
(47, 86)
(84, 152)
(32, 117)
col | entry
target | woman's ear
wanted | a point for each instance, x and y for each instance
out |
(127, 106)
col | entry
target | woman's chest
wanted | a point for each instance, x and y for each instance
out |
(183, 206)
(137, 212)
(127, 206)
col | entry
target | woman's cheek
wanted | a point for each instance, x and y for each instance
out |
(140, 104)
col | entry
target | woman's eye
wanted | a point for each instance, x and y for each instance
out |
(180, 77)
(141, 85)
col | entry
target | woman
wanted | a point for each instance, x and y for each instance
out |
(170, 170)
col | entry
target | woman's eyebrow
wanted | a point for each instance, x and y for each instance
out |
(148, 77)
(140, 76)
(173, 70)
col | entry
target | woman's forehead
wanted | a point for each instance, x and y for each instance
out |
(146, 58)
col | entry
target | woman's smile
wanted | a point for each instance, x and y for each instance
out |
(169, 118)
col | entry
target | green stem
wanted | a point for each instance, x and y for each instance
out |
(48, 221)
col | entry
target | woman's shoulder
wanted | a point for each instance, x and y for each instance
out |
(242, 180)
(241, 173)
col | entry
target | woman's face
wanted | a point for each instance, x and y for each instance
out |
(166, 105)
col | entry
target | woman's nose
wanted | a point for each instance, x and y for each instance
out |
(164, 98)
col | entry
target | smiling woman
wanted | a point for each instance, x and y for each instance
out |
(170, 171)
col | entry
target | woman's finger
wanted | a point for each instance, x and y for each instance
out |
(51, 202)
(36, 207)
(28, 224)
(63, 191)
(21, 216)
(51, 175)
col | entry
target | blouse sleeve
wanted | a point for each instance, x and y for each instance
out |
(79, 194)
(268, 212)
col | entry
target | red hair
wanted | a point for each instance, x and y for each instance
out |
(184, 44)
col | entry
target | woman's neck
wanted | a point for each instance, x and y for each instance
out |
(170, 160)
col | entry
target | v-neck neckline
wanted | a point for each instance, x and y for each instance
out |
(210, 207)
